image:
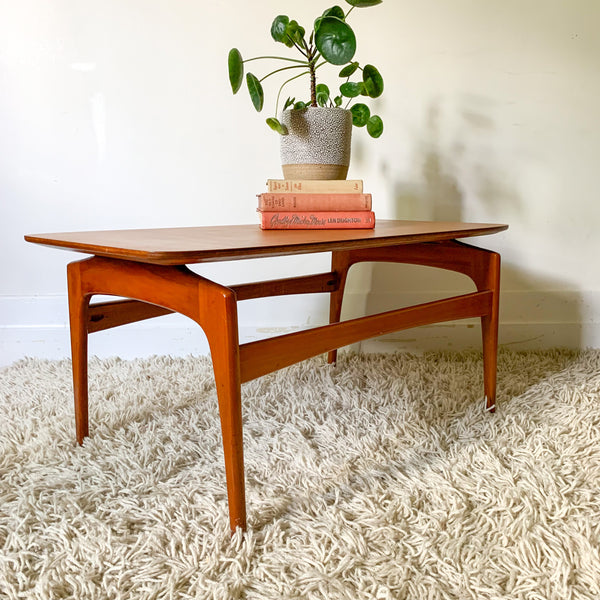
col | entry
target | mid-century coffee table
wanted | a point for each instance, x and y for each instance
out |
(148, 267)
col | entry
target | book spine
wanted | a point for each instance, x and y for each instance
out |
(318, 186)
(362, 219)
(308, 201)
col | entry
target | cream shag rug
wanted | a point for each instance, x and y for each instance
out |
(381, 477)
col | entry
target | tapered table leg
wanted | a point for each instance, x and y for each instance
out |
(224, 349)
(489, 331)
(78, 318)
(212, 306)
(339, 265)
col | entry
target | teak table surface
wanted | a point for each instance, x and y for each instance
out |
(187, 245)
(147, 267)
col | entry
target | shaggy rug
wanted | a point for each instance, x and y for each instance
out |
(379, 478)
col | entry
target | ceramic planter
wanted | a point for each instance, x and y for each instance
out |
(317, 145)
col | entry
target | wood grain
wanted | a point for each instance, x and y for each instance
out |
(188, 245)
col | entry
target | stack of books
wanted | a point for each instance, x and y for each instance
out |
(315, 204)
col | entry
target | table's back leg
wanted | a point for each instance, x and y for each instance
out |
(489, 331)
(340, 264)
(78, 317)
(482, 266)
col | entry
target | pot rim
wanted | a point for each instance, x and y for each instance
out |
(317, 108)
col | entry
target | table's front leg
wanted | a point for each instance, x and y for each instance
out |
(212, 306)
(221, 329)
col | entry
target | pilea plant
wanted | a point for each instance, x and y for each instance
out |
(331, 41)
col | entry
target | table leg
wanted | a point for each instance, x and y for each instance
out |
(222, 334)
(78, 318)
(339, 265)
(490, 279)
(212, 306)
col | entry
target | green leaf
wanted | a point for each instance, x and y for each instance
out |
(338, 100)
(278, 28)
(364, 3)
(349, 70)
(289, 103)
(351, 89)
(375, 126)
(256, 91)
(300, 105)
(360, 114)
(275, 125)
(295, 33)
(373, 81)
(335, 11)
(335, 40)
(322, 94)
(236, 69)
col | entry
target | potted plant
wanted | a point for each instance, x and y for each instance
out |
(315, 133)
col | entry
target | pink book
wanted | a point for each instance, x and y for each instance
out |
(359, 219)
(308, 202)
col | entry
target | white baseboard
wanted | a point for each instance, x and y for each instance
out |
(38, 326)
(462, 335)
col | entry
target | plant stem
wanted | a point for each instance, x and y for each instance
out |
(312, 59)
(281, 88)
(301, 50)
(313, 84)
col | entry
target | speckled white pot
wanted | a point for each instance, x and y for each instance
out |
(317, 145)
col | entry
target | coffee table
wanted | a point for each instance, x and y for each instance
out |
(148, 268)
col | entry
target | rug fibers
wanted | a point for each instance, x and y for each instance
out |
(381, 477)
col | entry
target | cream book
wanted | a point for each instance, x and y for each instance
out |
(316, 186)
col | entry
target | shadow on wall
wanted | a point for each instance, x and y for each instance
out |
(439, 193)
(536, 311)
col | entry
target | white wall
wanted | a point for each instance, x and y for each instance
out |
(119, 115)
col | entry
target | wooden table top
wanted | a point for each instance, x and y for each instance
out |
(187, 245)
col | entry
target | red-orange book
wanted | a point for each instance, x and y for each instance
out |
(358, 219)
(310, 202)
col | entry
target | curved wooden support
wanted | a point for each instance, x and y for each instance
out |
(212, 306)
(480, 265)
(449, 255)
